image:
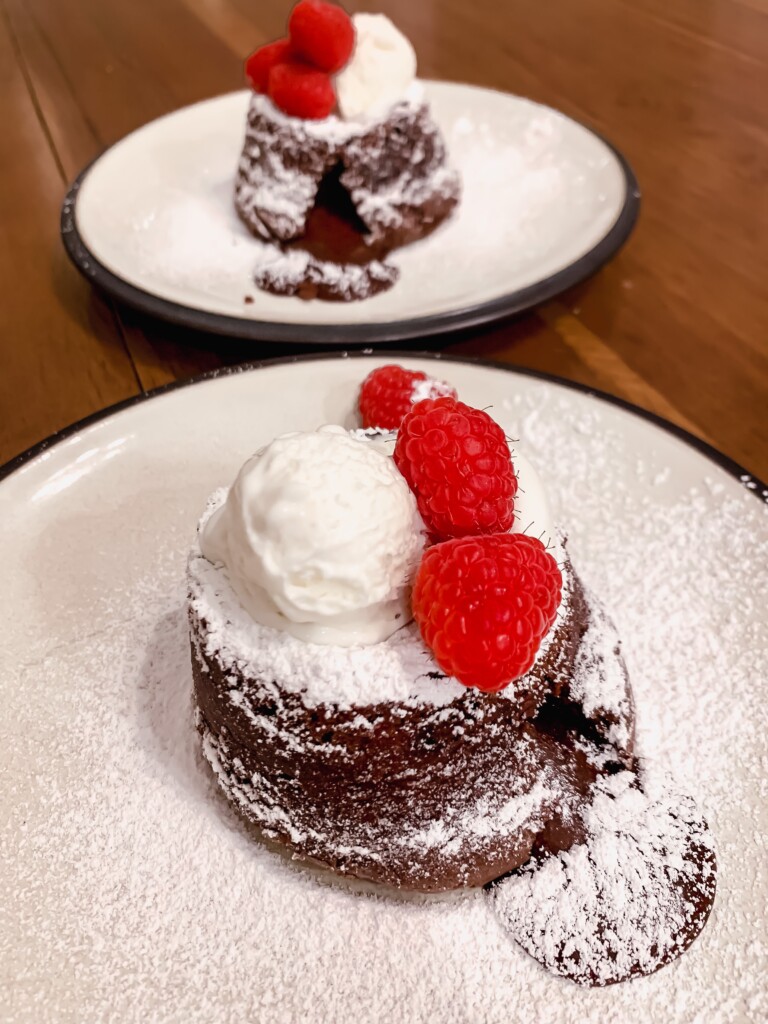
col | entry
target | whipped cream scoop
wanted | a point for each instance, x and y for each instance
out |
(381, 70)
(320, 536)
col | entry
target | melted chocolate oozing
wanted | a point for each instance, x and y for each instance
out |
(334, 232)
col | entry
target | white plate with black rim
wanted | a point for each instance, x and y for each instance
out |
(545, 203)
(130, 891)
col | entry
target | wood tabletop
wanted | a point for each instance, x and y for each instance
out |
(677, 322)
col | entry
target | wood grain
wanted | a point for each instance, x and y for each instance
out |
(62, 352)
(676, 323)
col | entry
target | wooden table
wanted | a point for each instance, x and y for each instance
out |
(677, 323)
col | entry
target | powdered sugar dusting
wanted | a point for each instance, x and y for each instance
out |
(291, 271)
(333, 129)
(598, 683)
(431, 388)
(483, 820)
(382, 208)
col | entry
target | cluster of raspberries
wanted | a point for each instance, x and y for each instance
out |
(483, 598)
(295, 72)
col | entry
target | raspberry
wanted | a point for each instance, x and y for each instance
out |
(456, 461)
(389, 392)
(484, 604)
(301, 91)
(260, 63)
(322, 34)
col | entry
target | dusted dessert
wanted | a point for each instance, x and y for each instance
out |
(399, 674)
(342, 162)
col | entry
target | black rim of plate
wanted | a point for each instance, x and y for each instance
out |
(347, 334)
(752, 484)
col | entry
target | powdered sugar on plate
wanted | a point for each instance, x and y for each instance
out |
(131, 892)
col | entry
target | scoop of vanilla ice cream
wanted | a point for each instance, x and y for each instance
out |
(320, 536)
(532, 513)
(380, 71)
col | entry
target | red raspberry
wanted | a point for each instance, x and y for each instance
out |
(301, 91)
(322, 34)
(456, 461)
(484, 604)
(390, 391)
(260, 63)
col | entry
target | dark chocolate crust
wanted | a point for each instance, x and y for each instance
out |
(411, 795)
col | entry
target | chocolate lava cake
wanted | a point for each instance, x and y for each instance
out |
(342, 194)
(399, 675)
(441, 788)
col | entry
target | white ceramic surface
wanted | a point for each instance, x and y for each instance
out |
(130, 893)
(540, 191)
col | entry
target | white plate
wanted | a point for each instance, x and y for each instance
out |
(130, 893)
(546, 201)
